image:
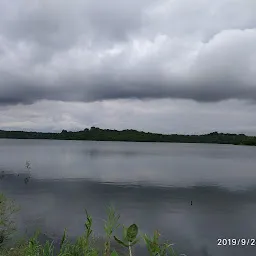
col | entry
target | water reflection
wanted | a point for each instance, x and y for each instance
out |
(194, 194)
(216, 211)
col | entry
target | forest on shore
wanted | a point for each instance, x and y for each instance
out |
(98, 134)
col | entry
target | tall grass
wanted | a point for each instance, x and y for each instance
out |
(85, 244)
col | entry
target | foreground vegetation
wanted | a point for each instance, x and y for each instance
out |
(85, 245)
(131, 135)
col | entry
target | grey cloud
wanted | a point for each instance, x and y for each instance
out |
(56, 26)
(60, 24)
(88, 52)
(203, 19)
(202, 93)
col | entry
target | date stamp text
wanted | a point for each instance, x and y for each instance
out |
(236, 242)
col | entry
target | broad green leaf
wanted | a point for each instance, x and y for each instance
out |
(132, 233)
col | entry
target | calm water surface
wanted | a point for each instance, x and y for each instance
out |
(151, 184)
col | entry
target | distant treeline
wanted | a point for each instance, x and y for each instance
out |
(98, 134)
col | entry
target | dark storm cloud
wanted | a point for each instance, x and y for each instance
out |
(28, 94)
(87, 51)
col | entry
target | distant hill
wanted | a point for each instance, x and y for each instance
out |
(98, 134)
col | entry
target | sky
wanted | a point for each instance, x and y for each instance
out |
(169, 66)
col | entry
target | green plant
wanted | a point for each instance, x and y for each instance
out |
(129, 237)
(7, 225)
(88, 227)
(28, 167)
(83, 246)
(48, 249)
(111, 224)
(34, 247)
(114, 253)
(155, 248)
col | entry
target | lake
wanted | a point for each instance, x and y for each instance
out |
(151, 184)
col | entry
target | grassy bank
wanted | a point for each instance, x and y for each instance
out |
(85, 245)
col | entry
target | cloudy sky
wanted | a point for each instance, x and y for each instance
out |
(172, 66)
